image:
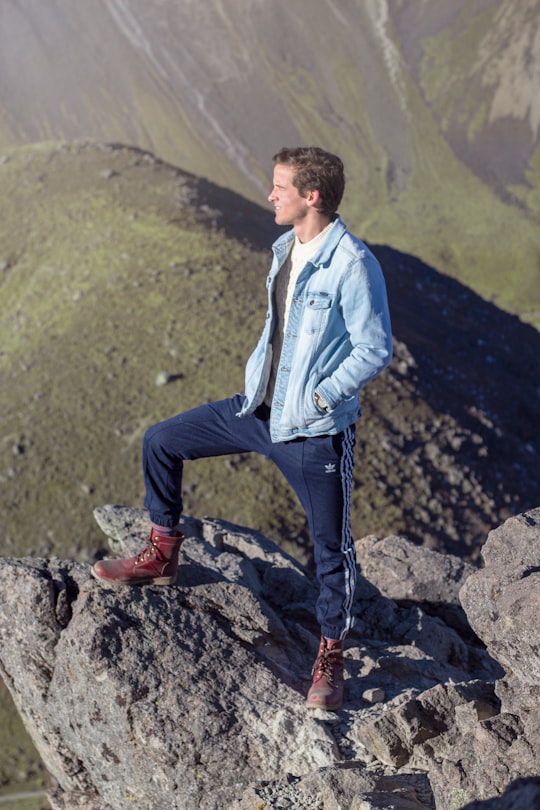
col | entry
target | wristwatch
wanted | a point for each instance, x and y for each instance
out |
(321, 403)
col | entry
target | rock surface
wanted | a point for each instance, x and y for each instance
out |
(193, 696)
(523, 794)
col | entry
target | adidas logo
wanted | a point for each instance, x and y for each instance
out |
(330, 468)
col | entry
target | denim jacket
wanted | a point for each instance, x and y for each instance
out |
(337, 338)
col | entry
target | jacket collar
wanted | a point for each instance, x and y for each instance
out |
(282, 245)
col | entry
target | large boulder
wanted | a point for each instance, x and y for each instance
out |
(193, 696)
(411, 574)
(523, 794)
(159, 697)
(475, 738)
(502, 602)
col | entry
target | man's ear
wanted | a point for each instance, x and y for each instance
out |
(313, 197)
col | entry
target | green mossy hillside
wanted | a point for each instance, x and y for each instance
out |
(120, 273)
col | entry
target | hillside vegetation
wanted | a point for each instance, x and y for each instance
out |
(120, 272)
(434, 108)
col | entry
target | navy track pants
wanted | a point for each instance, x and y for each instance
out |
(319, 469)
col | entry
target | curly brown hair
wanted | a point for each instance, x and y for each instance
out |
(316, 170)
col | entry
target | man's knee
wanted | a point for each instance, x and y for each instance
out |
(156, 439)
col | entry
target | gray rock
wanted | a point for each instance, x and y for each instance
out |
(502, 605)
(523, 794)
(142, 695)
(502, 602)
(408, 573)
(193, 696)
(404, 571)
(162, 378)
(374, 695)
(396, 738)
(348, 785)
(516, 542)
(480, 761)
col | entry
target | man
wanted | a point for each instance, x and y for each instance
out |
(327, 333)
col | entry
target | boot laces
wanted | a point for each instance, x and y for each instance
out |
(325, 663)
(149, 552)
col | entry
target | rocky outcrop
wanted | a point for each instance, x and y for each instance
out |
(193, 696)
(473, 739)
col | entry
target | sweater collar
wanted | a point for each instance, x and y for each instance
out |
(284, 242)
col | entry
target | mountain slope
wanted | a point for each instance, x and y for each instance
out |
(432, 105)
(116, 268)
(120, 272)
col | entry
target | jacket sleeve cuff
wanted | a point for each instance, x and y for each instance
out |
(326, 391)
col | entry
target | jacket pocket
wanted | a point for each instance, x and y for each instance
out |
(317, 307)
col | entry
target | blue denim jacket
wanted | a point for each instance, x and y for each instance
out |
(337, 338)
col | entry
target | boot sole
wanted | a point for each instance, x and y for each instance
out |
(118, 583)
(310, 705)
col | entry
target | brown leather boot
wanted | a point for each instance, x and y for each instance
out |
(326, 691)
(156, 564)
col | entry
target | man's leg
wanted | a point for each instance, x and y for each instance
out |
(320, 471)
(209, 430)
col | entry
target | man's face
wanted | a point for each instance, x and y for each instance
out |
(290, 208)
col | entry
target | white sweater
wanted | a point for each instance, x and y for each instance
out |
(287, 277)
